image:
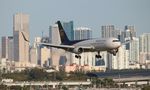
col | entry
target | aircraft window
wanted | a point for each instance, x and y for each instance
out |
(115, 40)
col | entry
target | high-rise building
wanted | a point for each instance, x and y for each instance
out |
(21, 38)
(68, 27)
(134, 51)
(108, 31)
(120, 61)
(0, 52)
(35, 52)
(133, 46)
(82, 33)
(4, 47)
(55, 39)
(7, 47)
(45, 54)
(128, 29)
(87, 58)
(144, 43)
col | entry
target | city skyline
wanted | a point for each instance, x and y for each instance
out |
(44, 56)
(92, 14)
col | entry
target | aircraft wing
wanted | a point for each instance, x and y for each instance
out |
(65, 47)
(57, 46)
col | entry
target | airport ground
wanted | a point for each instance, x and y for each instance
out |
(39, 79)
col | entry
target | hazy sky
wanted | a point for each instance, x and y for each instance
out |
(90, 13)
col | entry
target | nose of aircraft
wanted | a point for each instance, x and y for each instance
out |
(119, 44)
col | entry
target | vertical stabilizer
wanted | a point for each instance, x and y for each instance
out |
(63, 36)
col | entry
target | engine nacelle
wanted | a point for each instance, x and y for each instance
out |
(78, 50)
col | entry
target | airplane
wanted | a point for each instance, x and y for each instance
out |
(110, 45)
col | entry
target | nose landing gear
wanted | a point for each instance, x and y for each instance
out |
(115, 52)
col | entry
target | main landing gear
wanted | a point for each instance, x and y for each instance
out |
(98, 55)
(78, 56)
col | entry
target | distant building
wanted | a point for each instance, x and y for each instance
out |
(0, 52)
(121, 61)
(108, 31)
(55, 39)
(86, 68)
(44, 56)
(134, 51)
(21, 38)
(7, 48)
(82, 33)
(35, 52)
(87, 58)
(128, 29)
(69, 29)
(144, 43)
(33, 56)
(132, 47)
(39, 54)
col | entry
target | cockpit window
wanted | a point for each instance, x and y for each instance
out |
(115, 40)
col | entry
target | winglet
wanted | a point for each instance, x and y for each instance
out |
(24, 37)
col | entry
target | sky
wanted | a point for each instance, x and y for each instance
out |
(88, 13)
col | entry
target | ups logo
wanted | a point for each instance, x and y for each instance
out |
(62, 34)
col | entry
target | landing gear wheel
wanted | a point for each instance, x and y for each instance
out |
(114, 54)
(78, 56)
(98, 56)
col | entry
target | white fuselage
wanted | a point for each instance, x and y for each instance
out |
(104, 44)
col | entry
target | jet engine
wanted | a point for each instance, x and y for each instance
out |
(78, 50)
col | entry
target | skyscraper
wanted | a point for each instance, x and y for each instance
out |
(133, 46)
(21, 37)
(108, 31)
(4, 47)
(127, 33)
(45, 53)
(128, 29)
(7, 47)
(55, 39)
(133, 50)
(68, 27)
(144, 43)
(120, 61)
(35, 54)
(82, 33)
(87, 58)
(0, 52)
